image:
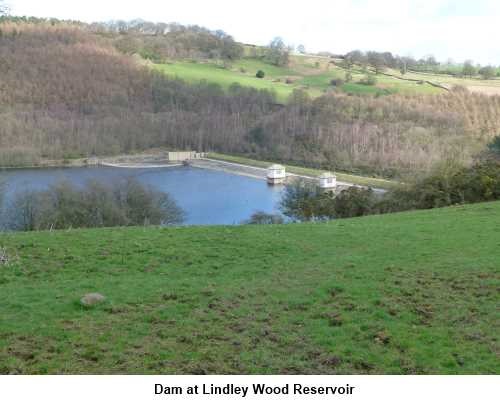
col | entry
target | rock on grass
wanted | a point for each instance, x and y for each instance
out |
(92, 299)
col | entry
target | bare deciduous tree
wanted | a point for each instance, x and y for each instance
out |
(68, 92)
(64, 206)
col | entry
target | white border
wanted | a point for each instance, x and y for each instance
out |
(139, 390)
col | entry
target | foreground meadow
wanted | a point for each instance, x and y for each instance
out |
(411, 293)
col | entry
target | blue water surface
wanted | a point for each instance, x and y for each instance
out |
(208, 197)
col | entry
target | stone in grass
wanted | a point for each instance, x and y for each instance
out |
(92, 299)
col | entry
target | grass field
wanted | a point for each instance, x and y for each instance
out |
(212, 73)
(475, 84)
(410, 293)
(311, 74)
(345, 177)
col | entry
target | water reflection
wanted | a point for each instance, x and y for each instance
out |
(208, 197)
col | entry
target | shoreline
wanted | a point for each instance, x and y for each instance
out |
(52, 165)
(261, 173)
(156, 159)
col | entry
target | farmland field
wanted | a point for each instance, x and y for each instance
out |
(212, 73)
(489, 87)
(313, 75)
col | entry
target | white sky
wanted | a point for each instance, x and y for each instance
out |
(457, 29)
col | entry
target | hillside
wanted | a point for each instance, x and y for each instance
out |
(195, 53)
(408, 293)
(67, 92)
(314, 74)
(73, 91)
(311, 74)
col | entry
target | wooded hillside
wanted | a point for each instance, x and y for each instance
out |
(67, 91)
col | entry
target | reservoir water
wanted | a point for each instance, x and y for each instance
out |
(208, 197)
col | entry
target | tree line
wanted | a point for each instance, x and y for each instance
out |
(451, 184)
(160, 42)
(380, 61)
(64, 205)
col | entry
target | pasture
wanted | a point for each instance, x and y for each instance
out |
(409, 293)
(313, 75)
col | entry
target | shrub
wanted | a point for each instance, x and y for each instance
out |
(368, 80)
(487, 72)
(260, 74)
(494, 146)
(299, 201)
(304, 202)
(354, 202)
(263, 218)
(64, 206)
(453, 185)
(461, 185)
(299, 97)
(337, 82)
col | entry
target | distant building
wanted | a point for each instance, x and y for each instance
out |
(327, 181)
(276, 174)
(92, 161)
(182, 156)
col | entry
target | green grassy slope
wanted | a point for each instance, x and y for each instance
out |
(212, 73)
(407, 293)
(311, 74)
(314, 74)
